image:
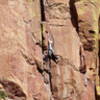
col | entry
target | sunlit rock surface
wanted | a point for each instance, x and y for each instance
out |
(26, 71)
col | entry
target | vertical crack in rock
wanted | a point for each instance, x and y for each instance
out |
(43, 20)
(46, 61)
(74, 16)
(42, 10)
(74, 19)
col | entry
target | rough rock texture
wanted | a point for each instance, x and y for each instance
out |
(49, 49)
(18, 51)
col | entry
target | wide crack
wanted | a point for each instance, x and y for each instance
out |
(74, 15)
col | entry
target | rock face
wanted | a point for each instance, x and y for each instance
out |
(49, 49)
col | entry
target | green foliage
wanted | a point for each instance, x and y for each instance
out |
(42, 43)
(3, 95)
(42, 28)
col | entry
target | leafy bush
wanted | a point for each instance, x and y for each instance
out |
(3, 95)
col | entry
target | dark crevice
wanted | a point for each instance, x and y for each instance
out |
(43, 39)
(39, 70)
(43, 20)
(48, 61)
(91, 31)
(50, 77)
(42, 10)
(99, 45)
(74, 15)
(87, 47)
(44, 48)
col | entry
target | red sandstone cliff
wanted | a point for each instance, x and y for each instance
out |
(28, 28)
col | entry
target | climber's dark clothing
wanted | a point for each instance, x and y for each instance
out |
(51, 55)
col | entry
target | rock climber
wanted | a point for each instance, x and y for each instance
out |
(51, 53)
